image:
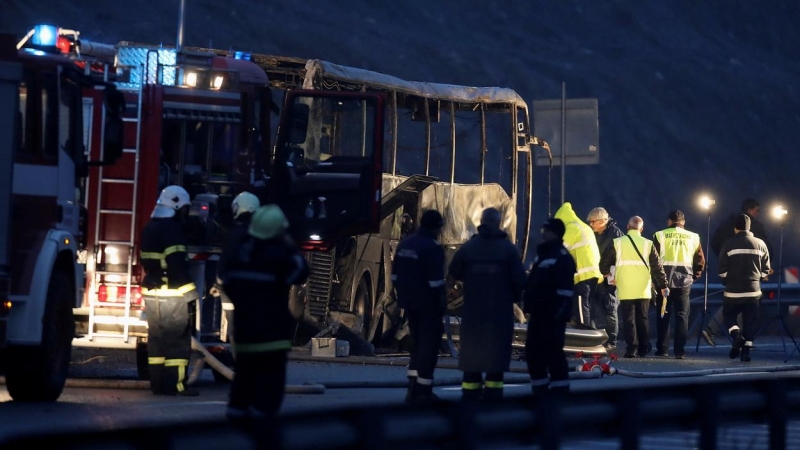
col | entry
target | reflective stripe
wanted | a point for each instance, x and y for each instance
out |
(247, 275)
(412, 373)
(723, 275)
(470, 386)
(630, 263)
(494, 384)
(228, 306)
(565, 292)
(748, 343)
(262, 347)
(559, 383)
(175, 362)
(540, 382)
(733, 328)
(152, 255)
(294, 277)
(676, 264)
(166, 292)
(746, 251)
(588, 269)
(181, 365)
(156, 360)
(741, 294)
(437, 283)
(425, 381)
(174, 249)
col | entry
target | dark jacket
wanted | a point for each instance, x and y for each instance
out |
(725, 232)
(743, 262)
(257, 276)
(548, 291)
(418, 272)
(606, 240)
(490, 267)
(163, 241)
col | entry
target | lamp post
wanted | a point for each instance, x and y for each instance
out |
(779, 213)
(705, 203)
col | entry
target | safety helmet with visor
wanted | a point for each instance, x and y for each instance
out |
(171, 199)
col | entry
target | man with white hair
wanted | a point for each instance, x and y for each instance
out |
(604, 299)
(633, 278)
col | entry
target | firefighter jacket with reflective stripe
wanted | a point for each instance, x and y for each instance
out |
(257, 275)
(165, 261)
(418, 272)
(743, 262)
(682, 255)
(633, 276)
(580, 242)
(550, 284)
(491, 270)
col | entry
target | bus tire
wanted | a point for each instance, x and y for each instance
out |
(362, 306)
(38, 373)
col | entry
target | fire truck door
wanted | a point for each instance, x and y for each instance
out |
(328, 169)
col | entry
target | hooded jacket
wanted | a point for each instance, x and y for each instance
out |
(491, 269)
(579, 240)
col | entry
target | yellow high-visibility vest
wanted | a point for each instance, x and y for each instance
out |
(632, 274)
(678, 247)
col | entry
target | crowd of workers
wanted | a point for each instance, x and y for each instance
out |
(582, 275)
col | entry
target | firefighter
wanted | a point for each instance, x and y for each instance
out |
(582, 245)
(490, 267)
(243, 207)
(548, 300)
(169, 293)
(260, 266)
(418, 276)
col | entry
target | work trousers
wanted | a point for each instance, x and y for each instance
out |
(169, 342)
(678, 307)
(748, 307)
(473, 385)
(634, 316)
(582, 301)
(426, 328)
(258, 386)
(544, 351)
(605, 311)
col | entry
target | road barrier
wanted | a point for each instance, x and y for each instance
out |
(549, 421)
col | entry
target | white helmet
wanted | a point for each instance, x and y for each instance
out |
(172, 198)
(244, 203)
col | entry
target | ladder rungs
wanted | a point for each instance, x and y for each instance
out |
(117, 180)
(110, 272)
(129, 150)
(116, 211)
(130, 119)
(115, 243)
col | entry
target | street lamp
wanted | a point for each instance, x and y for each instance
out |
(779, 213)
(706, 203)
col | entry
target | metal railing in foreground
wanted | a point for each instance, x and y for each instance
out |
(544, 422)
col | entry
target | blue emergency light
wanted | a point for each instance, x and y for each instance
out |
(241, 55)
(45, 35)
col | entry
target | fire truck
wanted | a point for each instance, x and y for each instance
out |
(200, 120)
(42, 164)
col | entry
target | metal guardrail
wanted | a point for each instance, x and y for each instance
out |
(624, 414)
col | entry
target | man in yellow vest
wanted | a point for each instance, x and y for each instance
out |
(684, 262)
(636, 265)
(579, 240)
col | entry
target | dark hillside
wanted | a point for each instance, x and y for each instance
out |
(694, 96)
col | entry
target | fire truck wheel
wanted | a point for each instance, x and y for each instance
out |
(362, 306)
(142, 367)
(38, 373)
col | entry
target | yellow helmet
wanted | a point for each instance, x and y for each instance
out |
(268, 222)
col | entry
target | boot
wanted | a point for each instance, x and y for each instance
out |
(540, 390)
(423, 395)
(412, 388)
(738, 343)
(746, 351)
(470, 395)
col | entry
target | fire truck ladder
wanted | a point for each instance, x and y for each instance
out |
(100, 245)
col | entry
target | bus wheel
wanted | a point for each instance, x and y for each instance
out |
(142, 365)
(362, 304)
(38, 373)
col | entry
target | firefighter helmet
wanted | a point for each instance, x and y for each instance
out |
(268, 222)
(172, 198)
(244, 203)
